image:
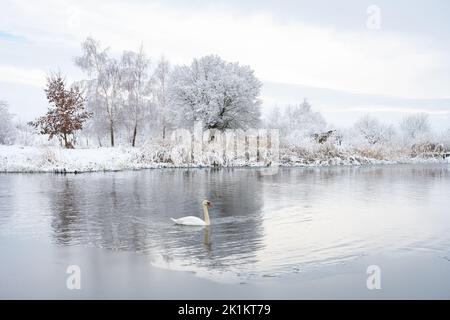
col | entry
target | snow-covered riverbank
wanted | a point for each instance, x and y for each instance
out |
(54, 159)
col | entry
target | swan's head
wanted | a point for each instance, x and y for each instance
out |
(206, 203)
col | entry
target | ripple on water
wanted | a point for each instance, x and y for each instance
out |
(262, 227)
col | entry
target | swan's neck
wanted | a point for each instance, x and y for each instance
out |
(206, 214)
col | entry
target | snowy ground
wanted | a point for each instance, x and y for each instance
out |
(55, 159)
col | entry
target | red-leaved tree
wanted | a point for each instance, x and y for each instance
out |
(66, 113)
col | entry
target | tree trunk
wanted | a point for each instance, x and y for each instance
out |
(164, 132)
(133, 144)
(111, 130)
(67, 144)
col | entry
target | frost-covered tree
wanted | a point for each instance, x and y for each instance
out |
(161, 95)
(301, 122)
(445, 138)
(66, 113)
(274, 119)
(105, 80)
(96, 128)
(221, 94)
(372, 130)
(302, 118)
(415, 126)
(297, 123)
(135, 80)
(6, 125)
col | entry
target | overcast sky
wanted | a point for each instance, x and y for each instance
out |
(322, 50)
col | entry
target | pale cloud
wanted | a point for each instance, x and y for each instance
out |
(358, 61)
(388, 109)
(23, 76)
(355, 61)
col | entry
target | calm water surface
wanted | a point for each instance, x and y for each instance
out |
(262, 226)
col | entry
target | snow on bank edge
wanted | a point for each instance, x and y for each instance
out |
(54, 159)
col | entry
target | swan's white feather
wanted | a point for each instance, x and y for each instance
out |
(189, 221)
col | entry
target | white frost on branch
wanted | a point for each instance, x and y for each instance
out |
(7, 132)
(223, 95)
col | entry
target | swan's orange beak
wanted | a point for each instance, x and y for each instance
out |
(209, 204)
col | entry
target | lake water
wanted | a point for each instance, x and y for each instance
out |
(263, 226)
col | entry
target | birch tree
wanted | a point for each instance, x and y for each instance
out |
(161, 94)
(6, 126)
(415, 126)
(135, 83)
(105, 82)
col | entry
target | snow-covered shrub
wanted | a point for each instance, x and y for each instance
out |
(371, 131)
(371, 152)
(48, 156)
(7, 132)
(26, 136)
(154, 153)
(444, 138)
(213, 148)
(415, 128)
(427, 150)
(298, 138)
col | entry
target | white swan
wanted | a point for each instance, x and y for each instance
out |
(195, 221)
